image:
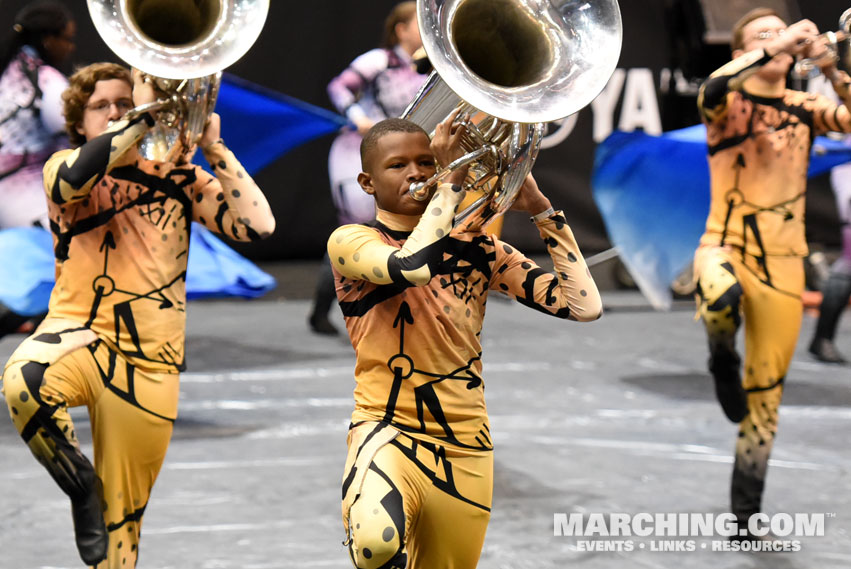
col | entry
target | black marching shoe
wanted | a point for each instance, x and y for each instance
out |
(321, 325)
(728, 386)
(89, 527)
(825, 351)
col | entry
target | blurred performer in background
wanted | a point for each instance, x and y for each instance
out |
(837, 288)
(113, 339)
(749, 265)
(419, 474)
(377, 85)
(31, 121)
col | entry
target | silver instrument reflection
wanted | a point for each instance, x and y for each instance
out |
(839, 48)
(182, 47)
(511, 66)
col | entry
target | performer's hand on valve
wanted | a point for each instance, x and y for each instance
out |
(823, 54)
(212, 131)
(446, 146)
(143, 90)
(796, 39)
(530, 198)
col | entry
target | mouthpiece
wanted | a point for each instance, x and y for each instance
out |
(418, 191)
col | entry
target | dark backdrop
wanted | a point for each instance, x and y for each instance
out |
(304, 44)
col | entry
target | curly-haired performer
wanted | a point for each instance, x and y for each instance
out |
(418, 478)
(113, 338)
(750, 260)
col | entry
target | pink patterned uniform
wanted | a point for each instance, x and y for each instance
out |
(377, 85)
(31, 125)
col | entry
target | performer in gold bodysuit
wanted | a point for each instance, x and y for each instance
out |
(418, 478)
(113, 339)
(749, 266)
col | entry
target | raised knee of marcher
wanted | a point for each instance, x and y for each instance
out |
(375, 543)
(17, 392)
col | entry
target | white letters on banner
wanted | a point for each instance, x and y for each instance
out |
(635, 90)
(640, 107)
(604, 105)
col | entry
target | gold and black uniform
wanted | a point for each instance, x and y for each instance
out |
(113, 339)
(418, 479)
(750, 259)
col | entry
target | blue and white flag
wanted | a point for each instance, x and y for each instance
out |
(653, 194)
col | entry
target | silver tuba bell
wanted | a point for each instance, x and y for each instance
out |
(182, 46)
(511, 65)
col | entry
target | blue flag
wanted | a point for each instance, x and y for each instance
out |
(213, 269)
(653, 194)
(260, 125)
(27, 269)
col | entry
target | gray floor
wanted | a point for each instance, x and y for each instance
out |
(612, 416)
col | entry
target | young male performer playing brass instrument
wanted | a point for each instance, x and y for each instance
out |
(418, 478)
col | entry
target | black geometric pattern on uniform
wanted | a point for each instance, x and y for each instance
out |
(108, 375)
(716, 88)
(67, 462)
(457, 257)
(425, 395)
(429, 256)
(134, 516)
(92, 161)
(446, 486)
(154, 193)
(730, 298)
(392, 503)
(460, 260)
(361, 306)
(529, 294)
(348, 480)
(794, 115)
(801, 114)
(152, 190)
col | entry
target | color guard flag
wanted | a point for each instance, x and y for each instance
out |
(653, 194)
